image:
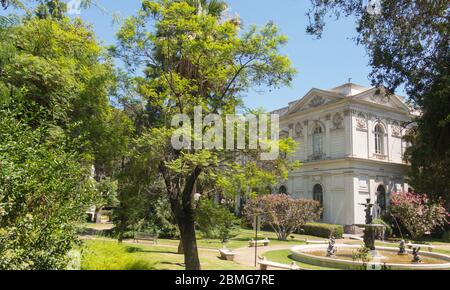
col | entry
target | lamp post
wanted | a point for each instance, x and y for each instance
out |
(256, 223)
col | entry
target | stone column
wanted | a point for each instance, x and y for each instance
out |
(352, 132)
(327, 141)
(291, 135)
(370, 138)
(350, 198)
(306, 135)
(348, 127)
(388, 140)
(291, 130)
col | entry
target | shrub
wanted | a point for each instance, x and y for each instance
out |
(164, 230)
(446, 236)
(362, 254)
(44, 193)
(148, 214)
(323, 230)
(282, 213)
(216, 222)
(417, 213)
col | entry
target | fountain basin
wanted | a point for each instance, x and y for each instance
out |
(316, 255)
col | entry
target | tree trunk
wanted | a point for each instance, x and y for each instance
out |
(183, 208)
(189, 243)
(180, 248)
(121, 227)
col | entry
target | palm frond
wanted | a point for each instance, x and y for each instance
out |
(8, 21)
(211, 7)
(216, 7)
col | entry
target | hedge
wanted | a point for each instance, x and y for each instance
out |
(446, 236)
(323, 230)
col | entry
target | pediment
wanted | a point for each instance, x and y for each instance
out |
(379, 97)
(314, 99)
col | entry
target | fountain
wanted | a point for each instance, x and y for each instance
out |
(371, 230)
(343, 256)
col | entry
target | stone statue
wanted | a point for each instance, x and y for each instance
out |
(331, 251)
(368, 210)
(416, 258)
(402, 248)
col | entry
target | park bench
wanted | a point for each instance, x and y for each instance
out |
(429, 247)
(264, 243)
(264, 264)
(227, 254)
(145, 237)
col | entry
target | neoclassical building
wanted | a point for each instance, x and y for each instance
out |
(351, 148)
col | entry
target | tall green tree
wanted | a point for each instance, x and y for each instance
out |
(57, 122)
(407, 42)
(67, 77)
(45, 189)
(193, 58)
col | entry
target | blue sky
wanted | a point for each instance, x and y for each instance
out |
(324, 63)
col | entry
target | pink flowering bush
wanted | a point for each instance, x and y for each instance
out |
(417, 213)
(282, 213)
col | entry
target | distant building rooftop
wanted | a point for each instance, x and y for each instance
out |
(349, 89)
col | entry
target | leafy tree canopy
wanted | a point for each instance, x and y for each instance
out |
(56, 122)
(194, 58)
(407, 42)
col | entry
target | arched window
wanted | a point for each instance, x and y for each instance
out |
(379, 139)
(282, 190)
(318, 140)
(318, 196)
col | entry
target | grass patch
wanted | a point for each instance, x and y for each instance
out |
(241, 240)
(103, 255)
(110, 255)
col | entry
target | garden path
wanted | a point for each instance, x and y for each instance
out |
(246, 256)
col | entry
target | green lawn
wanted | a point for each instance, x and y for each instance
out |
(243, 238)
(239, 241)
(104, 254)
(110, 255)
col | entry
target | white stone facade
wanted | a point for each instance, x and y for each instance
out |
(351, 148)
